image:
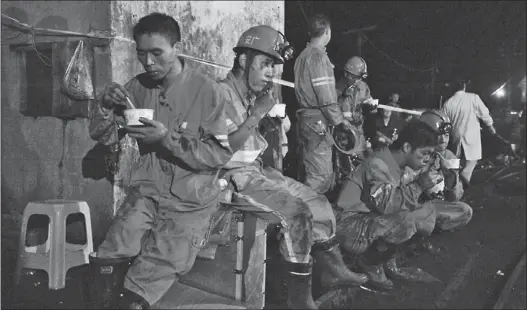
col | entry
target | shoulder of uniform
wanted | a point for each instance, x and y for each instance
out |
(449, 154)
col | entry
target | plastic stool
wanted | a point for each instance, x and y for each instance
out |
(57, 257)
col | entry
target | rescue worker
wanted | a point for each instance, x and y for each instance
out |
(316, 95)
(376, 213)
(466, 110)
(172, 194)
(353, 93)
(307, 219)
(438, 181)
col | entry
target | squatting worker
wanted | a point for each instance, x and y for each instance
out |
(172, 194)
(438, 181)
(376, 213)
(466, 110)
(317, 97)
(308, 224)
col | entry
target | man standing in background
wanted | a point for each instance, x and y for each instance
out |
(317, 97)
(466, 110)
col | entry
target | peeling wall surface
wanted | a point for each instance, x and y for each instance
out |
(209, 29)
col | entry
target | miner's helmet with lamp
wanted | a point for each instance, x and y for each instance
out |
(357, 67)
(267, 40)
(437, 120)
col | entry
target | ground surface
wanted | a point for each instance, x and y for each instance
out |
(474, 264)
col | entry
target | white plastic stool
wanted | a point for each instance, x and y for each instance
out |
(57, 256)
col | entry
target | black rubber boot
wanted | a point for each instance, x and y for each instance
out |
(131, 300)
(299, 294)
(371, 263)
(105, 281)
(377, 279)
(331, 269)
(407, 273)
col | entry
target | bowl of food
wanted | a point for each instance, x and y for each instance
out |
(132, 116)
(452, 163)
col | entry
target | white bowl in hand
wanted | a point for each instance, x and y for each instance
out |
(132, 116)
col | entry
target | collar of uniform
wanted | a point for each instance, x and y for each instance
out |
(175, 81)
(386, 155)
(309, 44)
(240, 88)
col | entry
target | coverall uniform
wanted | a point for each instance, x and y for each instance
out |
(464, 109)
(172, 195)
(307, 214)
(445, 196)
(349, 100)
(373, 204)
(317, 97)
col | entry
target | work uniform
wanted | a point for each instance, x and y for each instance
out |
(317, 97)
(465, 110)
(172, 195)
(350, 101)
(445, 196)
(373, 204)
(307, 215)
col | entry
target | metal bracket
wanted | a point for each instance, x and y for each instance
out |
(238, 271)
(238, 238)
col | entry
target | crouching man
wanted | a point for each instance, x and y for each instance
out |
(307, 219)
(438, 182)
(172, 194)
(375, 212)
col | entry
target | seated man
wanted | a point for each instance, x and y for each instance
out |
(307, 220)
(375, 212)
(163, 220)
(439, 181)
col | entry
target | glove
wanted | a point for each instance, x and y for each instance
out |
(492, 130)
(372, 103)
(262, 105)
(346, 125)
(427, 180)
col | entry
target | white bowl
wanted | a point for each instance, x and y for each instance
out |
(132, 116)
(451, 163)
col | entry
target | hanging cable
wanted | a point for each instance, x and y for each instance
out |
(395, 61)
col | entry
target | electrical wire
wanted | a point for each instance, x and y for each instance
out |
(394, 60)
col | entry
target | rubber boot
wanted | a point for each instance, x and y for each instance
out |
(331, 269)
(423, 244)
(105, 281)
(376, 277)
(132, 300)
(413, 274)
(371, 262)
(299, 286)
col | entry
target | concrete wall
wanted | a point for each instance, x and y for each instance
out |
(43, 157)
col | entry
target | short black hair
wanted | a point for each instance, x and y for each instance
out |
(418, 134)
(317, 25)
(158, 23)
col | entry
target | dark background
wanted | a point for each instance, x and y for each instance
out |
(482, 40)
